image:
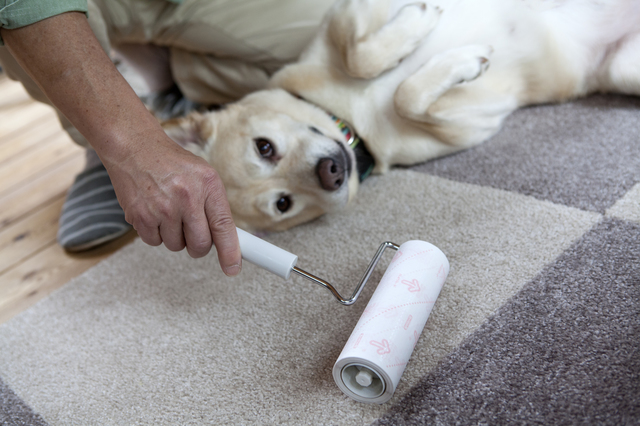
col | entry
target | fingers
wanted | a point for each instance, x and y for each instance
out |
(150, 236)
(225, 238)
(148, 231)
(155, 228)
(222, 228)
(197, 236)
(194, 222)
(172, 234)
(193, 234)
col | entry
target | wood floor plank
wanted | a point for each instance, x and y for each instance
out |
(38, 276)
(28, 236)
(16, 117)
(41, 190)
(36, 161)
(12, 93)
(28, 138)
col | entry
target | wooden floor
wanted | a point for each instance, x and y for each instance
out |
(38, 163)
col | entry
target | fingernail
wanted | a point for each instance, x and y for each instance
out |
(233, 270)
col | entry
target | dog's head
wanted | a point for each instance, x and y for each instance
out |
(283, 161)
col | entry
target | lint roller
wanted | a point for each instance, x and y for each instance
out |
(375, 356)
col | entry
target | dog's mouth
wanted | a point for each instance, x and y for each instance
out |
(347, 159)
(365, 162)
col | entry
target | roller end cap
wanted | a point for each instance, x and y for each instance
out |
(364, 378)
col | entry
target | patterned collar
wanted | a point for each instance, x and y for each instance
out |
(364, 160)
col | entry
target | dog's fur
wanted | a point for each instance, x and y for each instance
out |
(416, 81)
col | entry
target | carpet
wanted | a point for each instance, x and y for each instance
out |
(537, 323)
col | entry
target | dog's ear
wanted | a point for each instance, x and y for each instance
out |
(193, 132)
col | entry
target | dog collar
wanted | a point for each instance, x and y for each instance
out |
(364, 160)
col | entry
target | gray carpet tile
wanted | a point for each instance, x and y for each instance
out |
(582, 154)
(14, 411)
(564, 351)
(628, 207)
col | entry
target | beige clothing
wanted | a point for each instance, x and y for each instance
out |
(220, 50)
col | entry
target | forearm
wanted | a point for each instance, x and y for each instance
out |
(79, 78)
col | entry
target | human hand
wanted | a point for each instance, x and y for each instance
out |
(173, 197)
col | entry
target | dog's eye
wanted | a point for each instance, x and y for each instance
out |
(265, 148)
(315, 130)
(284, 204)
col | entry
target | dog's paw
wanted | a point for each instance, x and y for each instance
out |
(420, 17)
(475, 63)
(410, 26)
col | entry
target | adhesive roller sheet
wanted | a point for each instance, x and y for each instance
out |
(375, 356)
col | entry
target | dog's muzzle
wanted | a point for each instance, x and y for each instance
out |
(334, 171)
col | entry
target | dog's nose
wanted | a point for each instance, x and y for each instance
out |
(331, 172)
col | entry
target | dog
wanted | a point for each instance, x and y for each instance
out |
(389, 82)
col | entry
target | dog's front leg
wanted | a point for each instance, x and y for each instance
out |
(371, 43)
(437, 76)
(462, 115)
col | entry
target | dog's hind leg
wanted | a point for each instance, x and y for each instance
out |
(621, 72)
(371, 43)
(439, 98)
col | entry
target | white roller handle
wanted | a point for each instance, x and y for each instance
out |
(266, 255)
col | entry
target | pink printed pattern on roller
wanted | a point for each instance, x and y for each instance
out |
(383, 347)
(413, 285)
(408, 323)
(398, 310)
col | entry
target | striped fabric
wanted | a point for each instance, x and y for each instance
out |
(91, 215)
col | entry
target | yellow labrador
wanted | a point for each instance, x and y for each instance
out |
(413, 80)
